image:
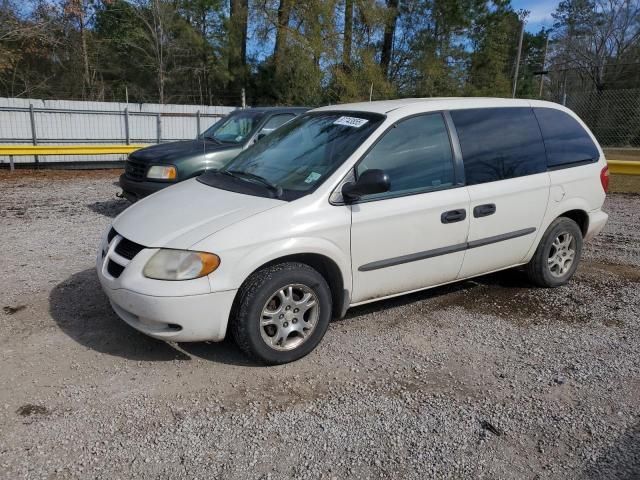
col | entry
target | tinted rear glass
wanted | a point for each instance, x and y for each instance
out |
(565, 139)
(499, 143)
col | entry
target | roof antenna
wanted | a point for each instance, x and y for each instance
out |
(371, 91)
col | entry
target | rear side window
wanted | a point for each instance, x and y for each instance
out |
(565, 139)
(415, 153)
(499, 143)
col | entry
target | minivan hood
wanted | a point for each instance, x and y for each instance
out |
(184, 214)
(170, 152)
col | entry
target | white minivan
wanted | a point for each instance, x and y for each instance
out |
(355, 203)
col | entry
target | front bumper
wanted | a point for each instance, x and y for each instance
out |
(135, 190)
(194, 318)
(152, 306)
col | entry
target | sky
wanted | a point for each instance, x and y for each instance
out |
(540, 15)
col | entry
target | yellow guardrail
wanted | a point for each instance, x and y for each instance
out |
(620, 167)
(624, 167)
(18, 150)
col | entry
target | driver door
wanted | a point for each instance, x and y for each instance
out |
(414, 235)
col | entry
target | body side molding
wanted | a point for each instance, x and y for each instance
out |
(414, 257)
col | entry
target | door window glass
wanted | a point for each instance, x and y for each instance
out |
(415, 153)
(499, 143)
(565, 139)
(275, 121)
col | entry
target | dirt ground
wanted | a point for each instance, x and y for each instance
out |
(488, 378)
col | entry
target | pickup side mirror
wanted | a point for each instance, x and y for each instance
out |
(370, 182)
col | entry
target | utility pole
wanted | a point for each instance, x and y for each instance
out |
(544, 62)
(244, 99)
(515, 78)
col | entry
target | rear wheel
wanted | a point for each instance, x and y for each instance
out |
(557, 256)
(282, 313)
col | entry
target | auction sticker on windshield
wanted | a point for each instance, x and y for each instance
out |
(351, 122)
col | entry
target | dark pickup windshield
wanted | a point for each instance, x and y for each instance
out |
(234, 128)
(297, 157)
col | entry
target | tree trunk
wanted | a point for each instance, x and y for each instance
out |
(389, 33)
(284, 11)
(348, 33)
(239, 24)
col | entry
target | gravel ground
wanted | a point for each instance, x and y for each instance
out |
(483, 379)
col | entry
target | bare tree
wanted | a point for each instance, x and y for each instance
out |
(594, 37)
(156, 44)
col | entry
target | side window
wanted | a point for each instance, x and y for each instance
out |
(565, 139)
(499, 143)
(275, 121)
(416, 154)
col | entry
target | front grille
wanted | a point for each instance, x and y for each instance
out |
(134, 170)
(128, 249)
(124, 248)
(114, 269)
(112, 233)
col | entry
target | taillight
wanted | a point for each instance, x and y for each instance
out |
(604, 179)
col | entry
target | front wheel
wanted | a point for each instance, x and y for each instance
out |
(557, 256)
(282, 313)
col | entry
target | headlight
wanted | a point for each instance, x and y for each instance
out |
(162, 173)
(180, 265)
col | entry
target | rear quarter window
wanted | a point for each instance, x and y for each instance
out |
(564, 138)
(499, 143)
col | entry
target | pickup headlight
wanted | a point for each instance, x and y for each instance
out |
(180, 265)
(160, 172)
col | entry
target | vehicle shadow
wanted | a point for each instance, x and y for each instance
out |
(82, 311)
(620, 461)
(505, 279)
(109, 208)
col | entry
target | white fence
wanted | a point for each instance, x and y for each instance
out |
(65, 122)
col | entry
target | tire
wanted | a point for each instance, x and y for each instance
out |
(264, 324)
(558, 254)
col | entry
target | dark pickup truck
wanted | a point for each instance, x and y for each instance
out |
(152, 168)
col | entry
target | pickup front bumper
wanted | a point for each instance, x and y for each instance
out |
(134, 190)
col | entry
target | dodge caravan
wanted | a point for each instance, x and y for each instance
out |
(351, 204)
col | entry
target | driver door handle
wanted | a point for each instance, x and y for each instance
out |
(453, 216)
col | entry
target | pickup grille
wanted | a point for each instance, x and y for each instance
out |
(134, 170)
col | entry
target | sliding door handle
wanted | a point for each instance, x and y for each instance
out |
(453, 216)
(484, 210)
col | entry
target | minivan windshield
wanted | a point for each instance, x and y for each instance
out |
(299, 156)
(235, 128)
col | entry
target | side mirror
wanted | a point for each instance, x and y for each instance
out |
(370, 182)
(261, 135)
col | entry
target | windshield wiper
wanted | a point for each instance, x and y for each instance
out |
(274, 188)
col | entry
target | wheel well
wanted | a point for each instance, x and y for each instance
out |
(327, 268)
(580, 217)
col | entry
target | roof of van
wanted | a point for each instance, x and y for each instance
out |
(386, 106)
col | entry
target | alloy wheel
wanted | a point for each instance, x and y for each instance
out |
(289, 317)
